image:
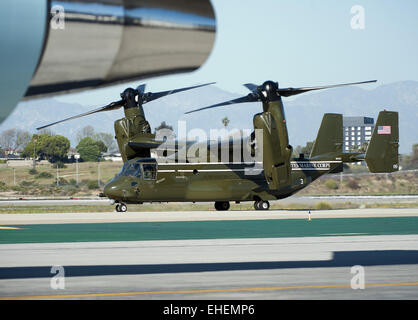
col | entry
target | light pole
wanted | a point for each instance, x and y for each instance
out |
(76, 170)
(98, 171)
(58, 181)
(34, 153)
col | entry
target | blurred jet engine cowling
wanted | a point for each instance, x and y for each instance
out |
(92, 43)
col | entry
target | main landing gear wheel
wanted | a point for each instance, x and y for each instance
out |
(121, 207)
(222, 205)
(261, 205)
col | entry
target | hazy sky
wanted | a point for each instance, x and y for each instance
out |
(298, 43)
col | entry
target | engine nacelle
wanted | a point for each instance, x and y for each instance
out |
(276, 148)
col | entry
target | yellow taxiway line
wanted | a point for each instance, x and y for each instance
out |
(119, 294)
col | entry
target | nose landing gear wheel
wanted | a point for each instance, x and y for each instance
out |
(222, 205)
(261, 205)
(121, 207)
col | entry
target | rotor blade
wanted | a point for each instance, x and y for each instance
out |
(145, 145)
(251, 86)
(249, 98)
(112, 106)
(287, 92)
(150, 96)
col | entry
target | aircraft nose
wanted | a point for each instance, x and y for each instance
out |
(113, 191)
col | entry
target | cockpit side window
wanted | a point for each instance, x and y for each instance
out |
(150, 171)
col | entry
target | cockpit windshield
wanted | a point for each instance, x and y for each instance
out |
(146, 170)
(131, 169)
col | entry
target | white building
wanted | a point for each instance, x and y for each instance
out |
(356, 131)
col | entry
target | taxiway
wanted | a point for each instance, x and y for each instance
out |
(204, 255)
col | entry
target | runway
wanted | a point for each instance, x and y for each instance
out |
(241, 258)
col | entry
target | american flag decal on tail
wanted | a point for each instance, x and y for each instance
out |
(384, 130)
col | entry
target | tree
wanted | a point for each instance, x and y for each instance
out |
(409, 162)
(225, 122)
(306, 150)
(414, 156)
(22, 138)
(36, 147)
(56, 148)
(7, 139)
(108, 140)
(359, 148)
(47, 131)
(164, 125)
(45, 146)
(13, 139)
(164, 131)
(87, 131)
(90, 149)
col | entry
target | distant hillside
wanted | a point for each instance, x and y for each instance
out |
(303, 114)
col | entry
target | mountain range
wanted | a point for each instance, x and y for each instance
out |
(303, 113)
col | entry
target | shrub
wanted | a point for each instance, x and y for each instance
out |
(92, 184)
(331, 184)
(3, 186)
(352, 184)
(43, 175)
(59, 165)
(33, 171)
(323, 205)
(63, 181)
(26, 183)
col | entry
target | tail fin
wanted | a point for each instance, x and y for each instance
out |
(382, 153)
(329, 141)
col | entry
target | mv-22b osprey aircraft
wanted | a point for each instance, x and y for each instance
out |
(146, 179)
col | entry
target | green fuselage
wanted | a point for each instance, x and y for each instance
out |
(190, 182)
